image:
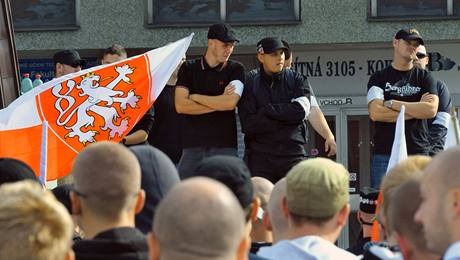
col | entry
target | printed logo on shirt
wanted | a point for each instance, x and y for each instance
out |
(401, 90)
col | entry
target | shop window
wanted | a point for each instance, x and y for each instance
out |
(206, 12)
(45, 15)
(413, 9)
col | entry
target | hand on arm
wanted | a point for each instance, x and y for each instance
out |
(137, 137)
(184, 105)
(226, 101)
(380, 113)
(319, 123)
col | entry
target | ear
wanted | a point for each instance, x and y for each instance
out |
(260, 58)
(395, 42)
(58, 67)
(154, 246)
(284, 207)
(76, 203)
(358, 216)
(404, 245)
(255, 208)
(243, 248)
(69, 255)
(140, 201)
(266, 222)
(342, 215)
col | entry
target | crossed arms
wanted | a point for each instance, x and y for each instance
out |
(424, 109)
(197, 104)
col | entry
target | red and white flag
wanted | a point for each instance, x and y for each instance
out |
(100, 103)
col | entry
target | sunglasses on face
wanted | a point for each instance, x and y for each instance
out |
(421, 55)
(75, 65)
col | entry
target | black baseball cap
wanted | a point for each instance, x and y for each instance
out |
(232, 172)
(222, 32)
(409, 35)
(270, 44)
(69, 57)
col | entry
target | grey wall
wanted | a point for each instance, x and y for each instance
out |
(104, 22)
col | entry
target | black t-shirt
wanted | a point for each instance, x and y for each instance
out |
(166, 132)
(408, 86)
(215, 129)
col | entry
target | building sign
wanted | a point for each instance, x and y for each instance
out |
(45, 67)
(335, 101)
(347, 72)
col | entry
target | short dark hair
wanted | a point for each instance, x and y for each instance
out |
(115, 49)
(13, 170)
(287, 52)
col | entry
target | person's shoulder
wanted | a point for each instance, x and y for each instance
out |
(234, 64)
(383, 72)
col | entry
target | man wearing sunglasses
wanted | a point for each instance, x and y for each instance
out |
(67, 62)
(438, 125)
(400, 84)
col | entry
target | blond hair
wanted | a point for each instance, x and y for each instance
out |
(402, 172)
(33, 224)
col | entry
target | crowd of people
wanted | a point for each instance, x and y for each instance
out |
(188, 195)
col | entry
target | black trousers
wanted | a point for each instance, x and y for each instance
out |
(271, 167)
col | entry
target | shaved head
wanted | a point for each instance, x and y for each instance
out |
(107, 179)
(199, 219)
(439, 210)
(262, 190)
(275, 211)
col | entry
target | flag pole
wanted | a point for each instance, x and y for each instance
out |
(453, 117)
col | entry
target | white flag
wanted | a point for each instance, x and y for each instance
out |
(399, 149)
(450, 137)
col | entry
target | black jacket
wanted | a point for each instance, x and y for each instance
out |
(271, 121)
(115, 244)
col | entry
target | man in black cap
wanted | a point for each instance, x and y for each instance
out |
(388, 90)
(438, 125)
(365, 215)
(233, 173)
(273, 112)
(207, 91)
(67, 62)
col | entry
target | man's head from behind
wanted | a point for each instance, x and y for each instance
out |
(107, 183)
(199, 218)
(262, 189)
(271, 54)
(159, 175)
(33, 224)
(12, 170)
(114, 53)
(439, 212)
(233, 173)
(405, 200)
(317, 195)
(67, 62)
(278, 224)
(221, 41)
(402, 172)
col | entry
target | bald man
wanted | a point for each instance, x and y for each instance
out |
(277, 223)
(199, 219)
(439, 211)
(106, 197)
(260, 235)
